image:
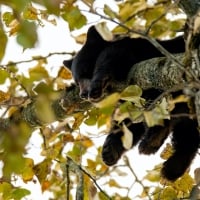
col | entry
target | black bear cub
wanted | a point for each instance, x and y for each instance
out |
(82, 65)
(99, 64)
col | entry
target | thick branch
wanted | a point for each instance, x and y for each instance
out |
(190, 7)
(158, 73)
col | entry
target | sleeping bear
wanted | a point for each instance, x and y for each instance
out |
(82, 65)
(100, 64)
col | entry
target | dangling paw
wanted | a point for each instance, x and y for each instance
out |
(112, 149)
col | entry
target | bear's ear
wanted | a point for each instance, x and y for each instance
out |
(68, 63)
(93, 36)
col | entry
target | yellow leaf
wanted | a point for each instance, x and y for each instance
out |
(111, 100)
(113, 183)
(91, 165)
(167, 152)
(3, 42)
(79, 117)
(28, 172)
(127, 138)
(154, 174)
(85, 141)
(14, 27)
(129, 8)
(103, 30)
(3, 76)
(30, 13)
(68, 137)
(65, 73)
(38, 72)
(45, 185)
(184, 183)
(4, 96)
(168, 193)
(157, 115)
(42, 170)
(89, 189)
(178, 99)
(81, 39)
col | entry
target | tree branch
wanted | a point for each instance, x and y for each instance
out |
(158, 73)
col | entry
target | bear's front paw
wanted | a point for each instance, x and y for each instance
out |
(112, 149)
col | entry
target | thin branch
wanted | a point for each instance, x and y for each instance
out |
(135, 176)
(67, 182)
(34, 58)
(95, 182)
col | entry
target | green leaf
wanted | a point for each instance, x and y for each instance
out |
(38, 72)
(53, 6)
(153, 14)
(43, 88)
(5, 188)
(8, 17)
(19, 193)
(19, 5)
(27, 36)
(3, 42)
(3, 76)
(74, 17)
(109, 101)
(92, 116)
(133, 93)
(13, 163)
(44, 109)
(108, 11)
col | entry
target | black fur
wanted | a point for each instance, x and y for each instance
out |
(185, 141)
(111, 154)
(99, 63)
(116, 60)
(82, 65)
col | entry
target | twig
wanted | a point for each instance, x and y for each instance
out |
(34, 58)
(95, 182)
(71, 165)
(67, 182)
(135, 176)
